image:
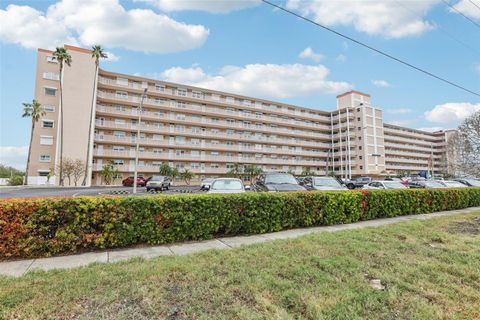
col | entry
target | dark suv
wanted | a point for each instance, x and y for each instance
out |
(276, 182)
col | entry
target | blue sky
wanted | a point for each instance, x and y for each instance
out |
(249, 48)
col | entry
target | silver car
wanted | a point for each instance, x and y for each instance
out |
(452, 184)
(387, 184)
(323, 183)
(158, 183)
(226, 185)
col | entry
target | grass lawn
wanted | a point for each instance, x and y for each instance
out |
(430, 270)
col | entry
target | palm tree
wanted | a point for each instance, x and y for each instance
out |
(186, 175)
(97, 54)
(252, 172)
(33, 110)
(63, 57)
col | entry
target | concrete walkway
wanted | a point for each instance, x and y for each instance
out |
(20, 267)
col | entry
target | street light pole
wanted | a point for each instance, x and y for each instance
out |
(135, 174)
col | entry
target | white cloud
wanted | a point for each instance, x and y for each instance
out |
(467, 8)
(399, 111)
(90, 22)
(14, 156)
(380, 83)
(261, 80)
(308, 53)
(211, 6)
(380, 18)
(451, 113)
(111, 57)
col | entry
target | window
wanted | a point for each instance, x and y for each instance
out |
(179, 165)
(120, 108)
(43, 173)
(195, 153)
(181, 104)
(118, 148)
(179, 152)
(48, 108)
(157, 137)
(196, 129)
(157, 151)
(119, 134)
(47, 124)
(51, 59)
(182, 92)
(122, 81)
(358, 119)
(179, 128)
(121, 94)
(197, 94)
(46, 140)
(118, 162)
(50, 91)
(159, 87)
(51, 76)
(45, 158)
(195, 165)
(214, 165)
(180, 116)
(195, 141)
(120, 121)
(180, 140)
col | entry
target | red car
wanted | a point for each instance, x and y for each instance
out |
(128, 182)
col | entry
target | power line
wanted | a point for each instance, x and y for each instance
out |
(458, 11)
(476, 5)
(443, 30)
(373, 49)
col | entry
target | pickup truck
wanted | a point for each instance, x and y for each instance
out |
(358, 182)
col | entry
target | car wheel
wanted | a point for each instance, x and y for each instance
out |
(350, 186)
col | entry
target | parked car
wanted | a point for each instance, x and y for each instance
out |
(128, 182)
(469, 182)
(226, 185)
(428, 184)
(276, 182)
(358, 182)
(386, 184)
(322, 183)
(206, 184)
(158, 183)
(452, 184)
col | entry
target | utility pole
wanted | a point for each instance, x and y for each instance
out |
(135, 174)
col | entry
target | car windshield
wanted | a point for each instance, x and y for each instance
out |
(474, 182)
(280, 179)
(207, 181)
(157, 178)
(453, 184)
(433, 184)
(227, 185)
(326, 182)
(393, 185)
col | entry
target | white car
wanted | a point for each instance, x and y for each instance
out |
(226, 185)
(452, 184)
(384, 185)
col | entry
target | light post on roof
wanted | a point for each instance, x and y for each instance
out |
(135, 174)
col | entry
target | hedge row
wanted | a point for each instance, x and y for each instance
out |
(45, 227)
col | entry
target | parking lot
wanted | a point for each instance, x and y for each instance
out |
(29, 192)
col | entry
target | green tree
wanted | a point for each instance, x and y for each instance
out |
(33, 110)
(108, 172)
(97, 54)
(165, 169)
(307, 171)
(63, 57)
(252, 172)
(186, 175)
(236, 171)
(16, 180)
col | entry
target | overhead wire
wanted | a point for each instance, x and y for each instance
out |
(374, 49)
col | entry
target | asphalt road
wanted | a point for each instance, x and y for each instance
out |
(29, 192)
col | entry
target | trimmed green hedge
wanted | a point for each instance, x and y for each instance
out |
(45, 227)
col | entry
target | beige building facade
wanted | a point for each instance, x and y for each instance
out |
(208, 131)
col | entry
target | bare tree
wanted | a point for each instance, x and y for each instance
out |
(67, 168)
(463, 149)
(78, 170)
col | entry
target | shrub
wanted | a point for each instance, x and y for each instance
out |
(16, 180)
(45, 227)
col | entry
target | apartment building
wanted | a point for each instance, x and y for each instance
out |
(208, 131)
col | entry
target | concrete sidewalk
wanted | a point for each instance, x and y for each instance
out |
(20, 267)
